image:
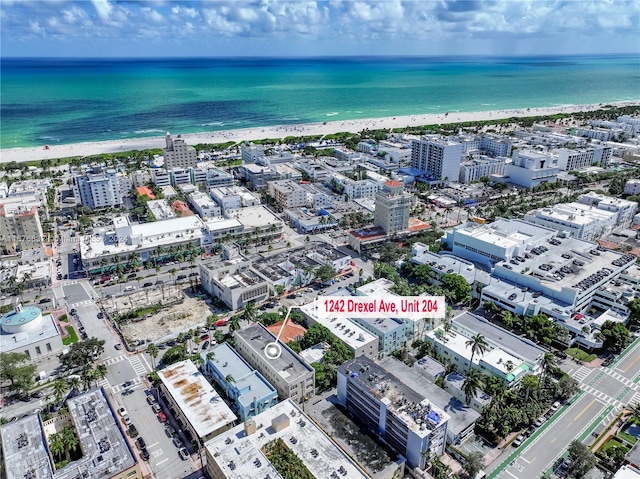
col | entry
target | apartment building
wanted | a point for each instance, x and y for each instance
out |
(99, 188)
(242, 452)
(292, 377)
(571, 160)
(579, 220)
(406, 420)
(233, 282)
(625, 210)
(393, 206)
(205, 207)
(233, 198)
(438, 156)
(199, 409)
(20, 228)
(250, 393)
(632, 187)
(288, 194)
(483, 166)
(177, 154)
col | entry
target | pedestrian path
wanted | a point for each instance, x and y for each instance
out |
(581, 373)
(114, 360)
(104, 383)
(602, 396)
(136, 383)
(86, 302)
(137, 366)
(622, 379)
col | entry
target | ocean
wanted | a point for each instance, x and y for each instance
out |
(62, 101)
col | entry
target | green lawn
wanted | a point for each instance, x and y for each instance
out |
(72, 338)
(628, 437)
(611, 443)
(580, 354)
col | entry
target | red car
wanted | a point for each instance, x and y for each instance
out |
(162, 417)
(204, 337)
(221, 322)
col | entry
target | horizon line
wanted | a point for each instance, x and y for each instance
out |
(317, 57)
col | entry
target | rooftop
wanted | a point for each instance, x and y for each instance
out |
(289, 366)
(368, 233)
(200, 403)
(352, 334)
(240, 455)
(460, 415)
(418, 412)
(290, 332)
(24, 449)
(16, 318)
(249, 382)
(255, 217)
(506, 340)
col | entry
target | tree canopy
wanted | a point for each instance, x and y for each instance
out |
(325, 272)
(582, 459)
(81, 353)
(14, 369)
(615, 336)
(455, 287)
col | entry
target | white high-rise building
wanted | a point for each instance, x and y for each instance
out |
(393, 206)
(476, 168)
(101, 189)
(177, 154)
(531, 168)
(438, 156)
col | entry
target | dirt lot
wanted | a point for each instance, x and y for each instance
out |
(170, 320)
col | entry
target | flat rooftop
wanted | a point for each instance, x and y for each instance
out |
(289, 366)
(255, 217)
(240, 455)
(460, 415)
(347, 331)
(199, 402)
(47, 329)
(24, 449)
(248, 381)
(506, 233)
(505, 340)
(419, 413)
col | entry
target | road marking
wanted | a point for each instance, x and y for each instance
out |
(584, 410)
(528, 462)
(516, 477)
(165, 460)
(552, 440)
(632, 363)
(154, 444)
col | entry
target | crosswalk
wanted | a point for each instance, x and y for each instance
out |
(627, 382)
(137, 365)
(114, 360)
(602, 396)
(136, 384)
(581, 373)
(86, 302)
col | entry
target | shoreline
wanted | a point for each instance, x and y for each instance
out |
(281, 131)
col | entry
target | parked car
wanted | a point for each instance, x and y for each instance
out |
(146, 285)
(555, 406)
(184, 454)
(144, 454)
(122, 411)
(539, 422)
(221, 322)
(181, 276)
(204, 337)
(156, 408)
(126, 420)
(151, 399)
(118, 346)
(169, 431)
(141, 443)
(100, 315)
(560, 354)
(133, 432)
(177, 442)
(205, 345)
(518, 441)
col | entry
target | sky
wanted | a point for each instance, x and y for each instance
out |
(216, 28)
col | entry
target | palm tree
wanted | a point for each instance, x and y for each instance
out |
(100, 372)
(234, 323)
(60, 387)
(250, 311)
(74, 383)
(548, 361)
(69, 440)
(211, 356)
(211, 321)
(87, 376)
(56, 445)
(472, 382)
(229, 379)
(153, 351)
(173, 274)
(478, 344)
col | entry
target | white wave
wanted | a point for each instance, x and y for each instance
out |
(151, 130)
(213, 123)
(333, 113)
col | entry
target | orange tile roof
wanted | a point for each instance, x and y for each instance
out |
(146, 191)
(393, 183)
(182, 208)
(291, 331)
(418, 225)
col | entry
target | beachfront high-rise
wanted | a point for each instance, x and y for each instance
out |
(393, 206)
(101, 188)
(438, 156)
(177, 154)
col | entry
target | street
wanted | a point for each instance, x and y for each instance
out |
(604, 392)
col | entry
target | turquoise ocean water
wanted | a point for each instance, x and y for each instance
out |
(49, 101)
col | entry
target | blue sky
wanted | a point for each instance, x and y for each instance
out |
(214, 28)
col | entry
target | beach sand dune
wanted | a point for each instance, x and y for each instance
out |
(320, 128)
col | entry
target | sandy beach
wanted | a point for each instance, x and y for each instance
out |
(223, 136)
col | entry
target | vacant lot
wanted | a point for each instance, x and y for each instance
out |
(186, 313)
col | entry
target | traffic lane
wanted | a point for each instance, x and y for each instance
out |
(608, 385)
(544, 450)
(629, 365)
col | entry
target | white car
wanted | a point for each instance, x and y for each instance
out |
(130, 288)
(126, 420)
(122, 411)
(555, 406)
(539, 422)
